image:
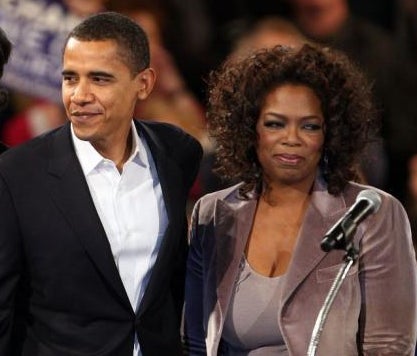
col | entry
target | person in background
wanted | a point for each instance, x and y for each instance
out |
(33, 112)
(171, 100)
(268, 32)
(393, 76)
(290, 124)
(93, 233)
(5, 50)
(406, 28)
(85, 8)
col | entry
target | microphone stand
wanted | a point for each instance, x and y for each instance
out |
(350, 258)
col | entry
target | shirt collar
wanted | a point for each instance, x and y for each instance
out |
(89, 158)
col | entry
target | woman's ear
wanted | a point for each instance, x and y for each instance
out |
(146, 80)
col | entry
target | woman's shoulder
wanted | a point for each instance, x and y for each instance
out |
(229, 195)
(223, 205)
(388, 201)
(227, 198)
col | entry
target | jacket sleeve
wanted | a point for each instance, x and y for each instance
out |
(388, 284)
(184, 149)
(194, 334)
(190, 158)
(187, 154)
(10, 265)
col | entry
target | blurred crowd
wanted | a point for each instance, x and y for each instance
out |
(190, 38)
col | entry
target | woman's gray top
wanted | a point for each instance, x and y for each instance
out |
(251, 324)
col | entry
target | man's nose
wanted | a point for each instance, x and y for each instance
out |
(82, 93)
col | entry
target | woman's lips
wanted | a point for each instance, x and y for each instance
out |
(289, 159)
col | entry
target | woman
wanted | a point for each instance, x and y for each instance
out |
(290, 124)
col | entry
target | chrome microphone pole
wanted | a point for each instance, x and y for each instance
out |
(340, 237)
(349, 259)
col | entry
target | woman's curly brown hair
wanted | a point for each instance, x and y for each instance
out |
(237, 91)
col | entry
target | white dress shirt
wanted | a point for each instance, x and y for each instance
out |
(132, 210)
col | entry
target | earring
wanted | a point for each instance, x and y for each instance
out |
(325, 164)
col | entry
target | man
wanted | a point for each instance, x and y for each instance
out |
(93, 225)
(5, 50)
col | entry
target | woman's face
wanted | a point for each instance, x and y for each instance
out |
(290, 133)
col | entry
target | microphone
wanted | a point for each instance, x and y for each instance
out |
(367, 202)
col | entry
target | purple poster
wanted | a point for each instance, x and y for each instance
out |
(37, 30)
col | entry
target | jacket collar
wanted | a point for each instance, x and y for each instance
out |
(69, 188)
(322, 211)
(233, 218)
(69, 191)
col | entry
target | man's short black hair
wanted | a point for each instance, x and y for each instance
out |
(130, 37)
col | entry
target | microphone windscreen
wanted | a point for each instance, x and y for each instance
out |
(372, 197)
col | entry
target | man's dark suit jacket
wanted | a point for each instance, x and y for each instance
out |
(58, 278)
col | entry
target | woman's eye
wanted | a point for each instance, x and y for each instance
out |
(312, 127)
(274, 124)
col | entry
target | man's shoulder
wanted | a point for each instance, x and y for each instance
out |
(161, 129)
(174, 141)
(29, 151)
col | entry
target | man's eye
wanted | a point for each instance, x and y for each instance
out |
(68, 78)
(101, 79)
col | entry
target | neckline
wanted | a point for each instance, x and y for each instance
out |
(260, 275)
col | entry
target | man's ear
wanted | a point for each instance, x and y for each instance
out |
(146, 80)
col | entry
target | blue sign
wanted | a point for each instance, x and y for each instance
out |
(37, 30)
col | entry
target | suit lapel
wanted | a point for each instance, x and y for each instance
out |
(170, 178)
(70, 192)
(323, 210)
(168, 171)
(233, 224)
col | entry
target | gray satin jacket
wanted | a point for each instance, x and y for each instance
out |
(375, 311)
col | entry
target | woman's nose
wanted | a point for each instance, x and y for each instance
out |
(291, 135)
